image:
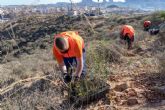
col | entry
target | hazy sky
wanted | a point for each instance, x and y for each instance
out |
(28, 2)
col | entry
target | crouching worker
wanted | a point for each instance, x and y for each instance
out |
(147, 25)
(127, 34)
(69, 51)
(154, 31)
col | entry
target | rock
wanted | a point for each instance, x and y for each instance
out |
(121, 87)
(113, 78)
(131, 84)
(138, 64)
(117, 99)
(131, 92)
(100, 103)
(130, 54)
(123, 102)
(138, 50)
(132, 101)
(42, 46)
(159, 90)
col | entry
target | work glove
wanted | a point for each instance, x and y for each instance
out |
(67, 78)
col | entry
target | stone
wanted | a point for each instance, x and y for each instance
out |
(121, 87)
(131, 92)
(132, 101)
(113, 78)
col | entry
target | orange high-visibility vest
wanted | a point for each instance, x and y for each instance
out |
(127, 29)
(76, 45)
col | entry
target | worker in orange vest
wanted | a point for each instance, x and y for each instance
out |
(147, 25)
(127, 33)
(69, 51)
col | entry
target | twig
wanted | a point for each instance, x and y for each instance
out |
(14, 37)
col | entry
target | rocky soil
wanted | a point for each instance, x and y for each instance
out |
(30, 78)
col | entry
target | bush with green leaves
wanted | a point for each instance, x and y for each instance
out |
(162, 15)
(100, 54)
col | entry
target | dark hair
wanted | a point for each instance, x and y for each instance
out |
(60, 43)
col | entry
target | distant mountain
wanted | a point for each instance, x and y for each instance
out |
(112, 6)
(155, 4)
(138, 4)
(86, 2)
(141, 4)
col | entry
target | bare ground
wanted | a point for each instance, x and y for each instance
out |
(32, 82)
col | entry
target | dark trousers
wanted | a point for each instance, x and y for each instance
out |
(129, 40)
(72, 62)
(146, 28)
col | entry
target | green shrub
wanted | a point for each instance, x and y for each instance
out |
(100, 54)
(162, 15)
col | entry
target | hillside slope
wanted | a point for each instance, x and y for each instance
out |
(30, 78)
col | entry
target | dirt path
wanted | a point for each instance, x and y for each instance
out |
(137, 83)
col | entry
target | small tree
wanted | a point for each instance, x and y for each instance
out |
(162, 15)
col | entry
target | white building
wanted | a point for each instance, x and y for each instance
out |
(1, 15)
(73, 13)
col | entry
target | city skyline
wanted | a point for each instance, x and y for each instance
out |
(36, 2)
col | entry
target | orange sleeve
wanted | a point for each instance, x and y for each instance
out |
(56, 54)
(78, 48)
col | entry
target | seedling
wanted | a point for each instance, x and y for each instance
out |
(86, 91)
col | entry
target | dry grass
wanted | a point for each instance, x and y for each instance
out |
(103, 51)
(32, 93)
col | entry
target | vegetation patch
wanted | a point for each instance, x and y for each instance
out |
(87, 90)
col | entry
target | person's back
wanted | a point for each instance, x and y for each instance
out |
(74, 41)
(147, 25)
(69, 51)
(127, 34)
(127, 29)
